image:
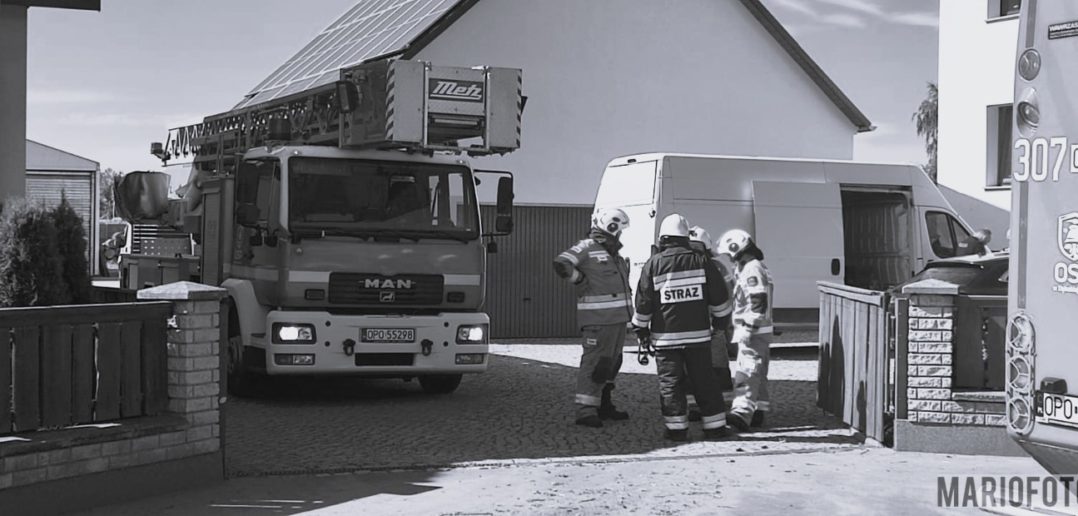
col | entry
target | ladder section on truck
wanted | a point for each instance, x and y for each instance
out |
(389, 104)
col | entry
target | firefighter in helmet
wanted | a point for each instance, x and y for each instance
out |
(701, 242)
(680, 299)
(753, 297)
(604, 308)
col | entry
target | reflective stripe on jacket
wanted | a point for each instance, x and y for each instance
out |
(753, 297)
(680, 291)
(602, 283)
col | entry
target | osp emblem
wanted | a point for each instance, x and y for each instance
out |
(387, 296)
(1067, 235)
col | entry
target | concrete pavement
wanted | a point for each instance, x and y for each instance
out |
(847, 481)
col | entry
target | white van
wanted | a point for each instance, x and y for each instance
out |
(869, 225)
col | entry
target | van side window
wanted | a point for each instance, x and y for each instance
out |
(945, 233)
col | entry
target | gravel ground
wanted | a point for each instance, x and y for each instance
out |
(521, 409)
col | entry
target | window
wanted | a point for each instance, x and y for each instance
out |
(388, 198)
(945, 234)
(998, 169)
(627, 185)
(1002, 8)
(254, 185)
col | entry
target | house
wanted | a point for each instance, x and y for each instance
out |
(977, 45)
(52, 173)
(606, 78)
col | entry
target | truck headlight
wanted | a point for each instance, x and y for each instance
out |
(474, 334)
(286, 333)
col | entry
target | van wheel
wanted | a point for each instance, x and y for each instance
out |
(440, 383)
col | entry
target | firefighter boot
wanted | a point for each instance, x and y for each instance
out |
(737, 422)
(677, 435)
(607, 410)
(591, 421)
(716, 434)
(757, 419)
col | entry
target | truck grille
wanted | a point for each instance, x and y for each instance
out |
(375, 289)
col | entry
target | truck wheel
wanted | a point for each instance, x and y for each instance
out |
(240, 383)
(440, 383)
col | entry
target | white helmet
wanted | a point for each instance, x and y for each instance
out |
(610, 220)
(733, 242)
(674, 225)
(699, 234)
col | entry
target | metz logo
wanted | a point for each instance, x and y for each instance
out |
(468, 91)
(387, 284)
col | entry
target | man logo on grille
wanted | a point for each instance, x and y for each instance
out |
(387, 296)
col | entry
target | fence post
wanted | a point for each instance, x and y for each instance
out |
(930, 350)
(194, 368)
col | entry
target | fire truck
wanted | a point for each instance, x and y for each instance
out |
(1042, 377)
(343, 221)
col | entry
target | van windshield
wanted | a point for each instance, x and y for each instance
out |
(627, 185)
(368, 198)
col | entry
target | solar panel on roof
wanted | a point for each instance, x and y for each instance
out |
(370, 29)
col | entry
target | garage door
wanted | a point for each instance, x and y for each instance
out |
(48, 188)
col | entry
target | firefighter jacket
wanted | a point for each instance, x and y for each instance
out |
(753, 296)
(679, 293)
(601, 277)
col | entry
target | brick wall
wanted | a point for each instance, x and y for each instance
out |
(930, 347)
(192, 428)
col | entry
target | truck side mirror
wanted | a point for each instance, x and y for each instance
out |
(503, 223)
(247, 214)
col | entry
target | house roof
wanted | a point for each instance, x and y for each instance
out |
(86, 5)
(372, 30)
(41, 157)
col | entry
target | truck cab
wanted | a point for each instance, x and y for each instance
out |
(344, 222)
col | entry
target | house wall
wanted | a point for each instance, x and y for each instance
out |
(606, 78)
(976, 70)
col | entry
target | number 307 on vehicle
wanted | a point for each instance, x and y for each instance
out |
(1043, 159)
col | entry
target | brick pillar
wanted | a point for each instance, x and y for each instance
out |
(930, 351)
(194, 364)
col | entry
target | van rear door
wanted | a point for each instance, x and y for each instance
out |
(632, 186)
(799, 228)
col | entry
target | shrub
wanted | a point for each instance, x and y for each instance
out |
(71, 243)
(31, 268)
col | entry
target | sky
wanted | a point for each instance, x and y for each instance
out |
(105, 84)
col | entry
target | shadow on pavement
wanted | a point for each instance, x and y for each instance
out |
(518, 409)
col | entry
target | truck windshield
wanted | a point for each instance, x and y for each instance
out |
(370, 198)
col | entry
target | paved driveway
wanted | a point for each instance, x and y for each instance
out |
(519, 410)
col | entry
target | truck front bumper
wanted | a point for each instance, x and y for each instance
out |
(338, 345)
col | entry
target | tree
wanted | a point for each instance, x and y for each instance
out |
(926, 118)
(71, 245)
(31, 268)
(106, 196)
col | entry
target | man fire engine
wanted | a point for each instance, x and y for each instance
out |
(342, 221)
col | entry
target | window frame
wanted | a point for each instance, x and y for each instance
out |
(995, 10)
(997, 169)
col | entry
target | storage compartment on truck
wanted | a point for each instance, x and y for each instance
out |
(877, 237)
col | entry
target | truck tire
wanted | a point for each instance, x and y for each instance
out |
(440, 383)
(241, 383)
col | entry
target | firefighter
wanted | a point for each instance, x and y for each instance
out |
(752, 329)
(701, 242)
(679, 300)
(604, 308)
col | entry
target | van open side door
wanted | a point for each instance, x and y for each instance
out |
(799, 228)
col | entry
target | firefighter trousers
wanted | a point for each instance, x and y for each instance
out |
(682, 369)
(599, 364)
(720, 361)
(750, 380)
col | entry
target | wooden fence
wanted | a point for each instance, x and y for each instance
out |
(67, 365)
(855, 379)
